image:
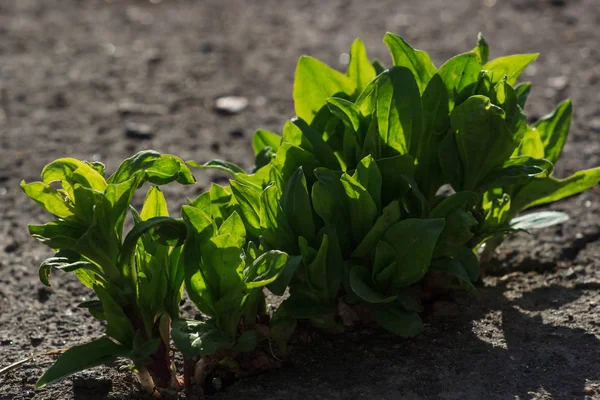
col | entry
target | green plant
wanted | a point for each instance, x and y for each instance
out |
(355, 183)
(137, 277)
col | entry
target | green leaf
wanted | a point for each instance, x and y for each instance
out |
(295, 203)
(275, 228)
(159, 169)
(450, 162)
(279, 285)
(399, 111)
(362, 207)
(82, 357)
(460, 75)
(290, 157)
(393, 170)
(518, 170)
(320, 150)
(368, 175)
(391, 214)
(118, 326)
(225, 166)
(539, 220)
(234, 226)
(436, 121)
(49, 199)
(222, 261)
(263, 138)
(246, 342)
(531, 145)
(482, 50)
(265, 269)
(347, 111)
(398, 321)
(360, 70)
(523, 90)
(155, 204)
(413, 241)
(362, 283)
(454, 268)
(314, 83)
(549, 190)
(554, 129)
(483, 139)
(417, 61)
(198, 338)
(73, 171)
(511, 66)
(248, 199)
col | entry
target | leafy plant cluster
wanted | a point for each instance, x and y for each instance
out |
(384, 177)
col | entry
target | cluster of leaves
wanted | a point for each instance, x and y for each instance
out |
(384, 176)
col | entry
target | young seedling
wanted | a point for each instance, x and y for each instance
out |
(136, 276)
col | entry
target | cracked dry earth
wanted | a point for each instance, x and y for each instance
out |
(73, 74)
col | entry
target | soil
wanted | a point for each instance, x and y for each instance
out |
(101, 80)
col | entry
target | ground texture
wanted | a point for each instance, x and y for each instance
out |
(101, 80)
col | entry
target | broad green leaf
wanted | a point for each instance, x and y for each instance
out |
(360, 70)
(280, 284)
(436, 121)
(399, 111)
(397, 320)
(118, 326)
(263, 138)
(554, 129)
(372, 144)
(450, 162)
(275, 228)
(518, 170)
(49, 199)
(523, 90)
(314, 83)
(73, 171)
(393, 172)
(265, 269)
(368, 175)
(159, 169)
(248, 199)
(225, 166)
(234, 226)
(548, 190)
(155, 204)
(464, 199)
(511, 66)
(331, 204)
(469, 261)
(505, 97)
(320, 150)
(362, 207)
(290, 157)
(198, 338)
(482, 50)
(295, 203)
(246, 341)
(362, 284)
(57, 234)
(379, 68)
(413, 241)
(531, 145)
(82, 357)
(460, 75)
(539, 220)
(345, 110)
(68, 261)
(417, 61)
(221, 259)
(455, 268)
(220, 203)
(482, 137)
(391, 214)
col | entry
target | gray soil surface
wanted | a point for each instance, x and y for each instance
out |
(74, 72)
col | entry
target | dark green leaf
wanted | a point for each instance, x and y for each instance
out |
(198, 338)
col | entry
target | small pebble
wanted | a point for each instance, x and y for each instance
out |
(230, 105)
(138, 131)
(558, 82)
(595, 124)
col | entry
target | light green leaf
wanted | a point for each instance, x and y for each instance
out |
(482, 50)
(360, 70)
(263, 138)
(347, 111)
(511, 66)
(49, 199)
(554, 130)
(198, 338)
(417, 61)
(265, 269)
(314, 83)
(82, 357)
(460, 75)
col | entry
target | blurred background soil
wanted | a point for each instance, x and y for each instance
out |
(101, 80)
